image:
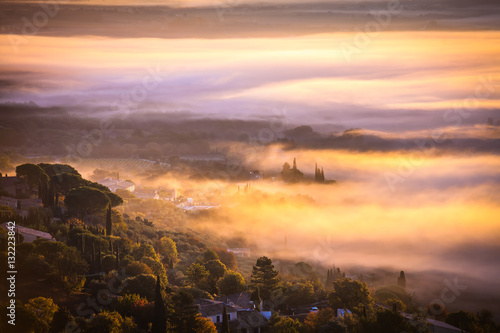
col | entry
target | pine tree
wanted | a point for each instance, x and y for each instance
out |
(225, 321)
(108, 222)
(264, 277)
(160, 318)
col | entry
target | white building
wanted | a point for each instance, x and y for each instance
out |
(213, 310)
(113, 184)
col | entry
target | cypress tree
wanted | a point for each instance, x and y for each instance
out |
(117, 257)
(93, 256)
(108, 221)
(402, 280)
(160, 318)
(225, 321)
(99, 262)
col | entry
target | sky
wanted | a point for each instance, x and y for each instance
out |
(375, 68)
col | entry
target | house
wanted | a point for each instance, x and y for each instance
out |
(25, 203)
(213, 310)
(114, 184)
(29, 235)
(240, 310)
(240, 301)
(342, 312)
(168, 194)
(249, 321)
(15, 187)
(145, 193)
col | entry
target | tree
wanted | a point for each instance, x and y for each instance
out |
(43, 308)
(388, 321)
(205, 325)
(86, 200)
(402, 280)
(196, 274)
(67, 266)
(144, 285)
(227, 258)
(168, 249)
(182, 313)
(56, 169)
(137, 268)
(291, 175)
(225, 321)
(155, 266)
(231, 283)
(33, 174)
(315, 320)
(264, 278)
(300, 293)
(110, 322)
(215, 270)
(486, 322)
(350, 294)
(144, 250)
(114, 199)
(160, 318)
(278, 324)
(64, 182)
(210, 255)
(60, 319)
(466, 321)
(109, 226)
(333, 326)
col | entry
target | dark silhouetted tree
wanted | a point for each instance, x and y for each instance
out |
(225, 322)
(264, 278)
(291, 175)
(160, 318)
(402, 280)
